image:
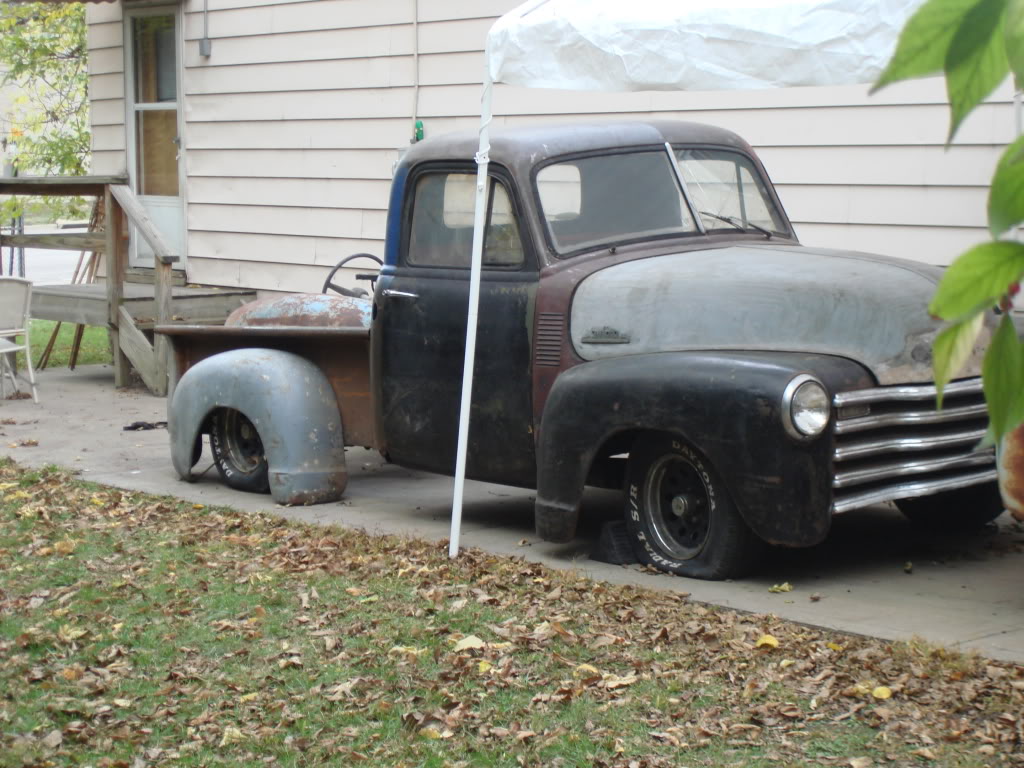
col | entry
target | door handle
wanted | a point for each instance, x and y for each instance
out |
(393, 294)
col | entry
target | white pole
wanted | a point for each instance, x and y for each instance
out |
(482, 161)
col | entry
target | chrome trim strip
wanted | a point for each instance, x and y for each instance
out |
(909, 417)
(697, 221)
(902, 444)
(909, 490)
(863, 475)
(923, 392)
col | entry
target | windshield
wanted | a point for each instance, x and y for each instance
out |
(727, 191)
(613, 199)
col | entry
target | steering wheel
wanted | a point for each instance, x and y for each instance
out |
(356, 293)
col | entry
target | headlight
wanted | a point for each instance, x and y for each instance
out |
(806, 408)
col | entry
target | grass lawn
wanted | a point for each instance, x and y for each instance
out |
(95, 344)
(142, 631)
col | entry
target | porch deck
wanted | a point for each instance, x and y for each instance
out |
(88, 304)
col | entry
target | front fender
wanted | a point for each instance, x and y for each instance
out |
(727, 405)
(291, 404)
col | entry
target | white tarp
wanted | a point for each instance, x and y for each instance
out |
(644, 45)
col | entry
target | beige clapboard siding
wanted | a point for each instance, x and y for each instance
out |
(294, 122)
(898, 166)
(106, 60)
(301, 105)
(339, 74)
(270, 276)
(348, 224)
(106, 89)
(931, 245)
(838, 204)
(316, 45)
(355, 134)
(108, 138)
(302, 16)
(107, 86)
(294, 163)
(316, 193)
(279, 249)
(108, 34)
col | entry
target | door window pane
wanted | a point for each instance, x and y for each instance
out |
(155, 68)
(442, 224)
(157, 152)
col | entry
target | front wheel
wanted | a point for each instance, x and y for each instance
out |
(680, 516)
(238, 451)
(960, 511)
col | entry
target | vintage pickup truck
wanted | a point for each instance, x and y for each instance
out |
(648, 321)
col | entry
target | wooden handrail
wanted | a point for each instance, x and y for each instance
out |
(138, 216)
(75, 241)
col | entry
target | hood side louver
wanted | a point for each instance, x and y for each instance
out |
(550, 337)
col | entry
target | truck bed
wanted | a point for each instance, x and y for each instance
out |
(343, 354)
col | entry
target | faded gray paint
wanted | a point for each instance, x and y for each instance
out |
(289, 401)
(790, 298)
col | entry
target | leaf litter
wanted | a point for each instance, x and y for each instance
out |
(139, 631)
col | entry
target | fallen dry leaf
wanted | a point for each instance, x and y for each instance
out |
(469, 642)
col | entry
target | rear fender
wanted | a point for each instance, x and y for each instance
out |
(291, 404)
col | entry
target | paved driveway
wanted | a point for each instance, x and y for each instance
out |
(963, 593)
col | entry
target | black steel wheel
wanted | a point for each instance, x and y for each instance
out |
(679, 513)
(238, 451)
(960, 511)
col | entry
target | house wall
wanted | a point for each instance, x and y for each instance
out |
(293, 124)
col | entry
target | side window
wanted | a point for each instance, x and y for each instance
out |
(442, 223)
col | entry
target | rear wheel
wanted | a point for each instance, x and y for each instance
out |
(960, 511)
(680, 516)
(238, 451)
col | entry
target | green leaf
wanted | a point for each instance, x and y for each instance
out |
(1013, 35)
(1003, 379)
(977, 280)
(1006, 195)
(951, 350)
(925, 40)
(976, 60)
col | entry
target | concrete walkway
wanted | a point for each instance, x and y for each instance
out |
(960, 593)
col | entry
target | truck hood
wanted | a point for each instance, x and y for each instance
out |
(786, 298)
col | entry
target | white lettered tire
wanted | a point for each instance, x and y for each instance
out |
(679, 514)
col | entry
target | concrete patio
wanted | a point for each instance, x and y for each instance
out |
(961, 593)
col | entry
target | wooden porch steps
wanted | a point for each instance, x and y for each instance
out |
(126, 308)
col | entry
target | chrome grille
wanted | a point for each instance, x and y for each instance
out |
(892, 443)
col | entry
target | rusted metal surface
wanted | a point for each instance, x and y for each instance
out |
(303, 310)
(341, 353)
(1011, 471)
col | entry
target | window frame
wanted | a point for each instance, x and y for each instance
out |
(551, 246)
(133, 107)
(759, 177)
(496, 174)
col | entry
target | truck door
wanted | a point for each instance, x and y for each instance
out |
(420, 329)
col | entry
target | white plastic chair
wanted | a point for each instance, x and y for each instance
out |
(15, 300)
